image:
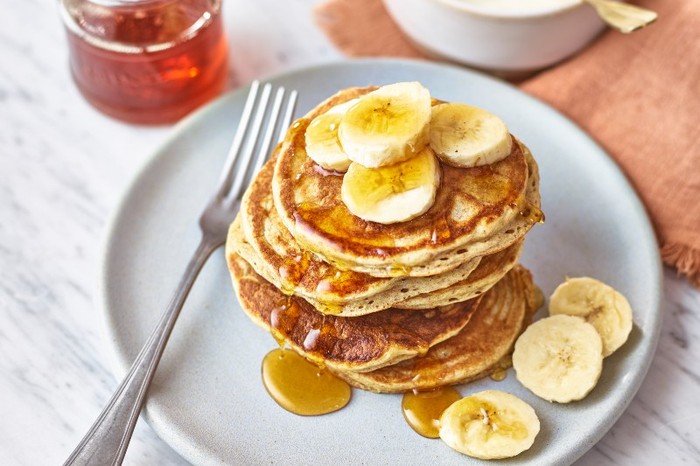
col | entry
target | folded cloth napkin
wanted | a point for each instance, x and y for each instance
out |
(638, 95)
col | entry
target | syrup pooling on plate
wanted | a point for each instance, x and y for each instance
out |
(422, 410)
(302, 387)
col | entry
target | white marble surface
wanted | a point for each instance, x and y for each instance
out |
(62, 168)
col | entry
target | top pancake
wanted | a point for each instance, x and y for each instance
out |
(471, 206)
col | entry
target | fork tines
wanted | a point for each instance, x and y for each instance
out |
(238, 166)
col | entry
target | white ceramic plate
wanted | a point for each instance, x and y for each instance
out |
(207, 400)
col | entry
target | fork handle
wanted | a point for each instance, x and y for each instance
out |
(108, 438)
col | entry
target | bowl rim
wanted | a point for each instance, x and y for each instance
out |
(494, 11)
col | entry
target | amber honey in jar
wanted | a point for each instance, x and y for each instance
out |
(146, 61)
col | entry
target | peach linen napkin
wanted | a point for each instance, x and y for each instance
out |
(638, 95)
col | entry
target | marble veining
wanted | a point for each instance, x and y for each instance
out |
(62, 168)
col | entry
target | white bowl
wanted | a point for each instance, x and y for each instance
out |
(506, 36)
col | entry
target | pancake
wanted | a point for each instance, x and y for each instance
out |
(490, 270)
(414, 305)
(267, 245)
(483, 346)
(337, 283)
(477, 211)
(340, 343)
(479, 281)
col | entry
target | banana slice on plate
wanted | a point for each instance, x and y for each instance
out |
(392, 194)
(322, 144)
(388, 125)
(599, 304)
(489, 425)
(559, 358)
(466, 136)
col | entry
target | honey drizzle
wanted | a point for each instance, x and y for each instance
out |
(532, 214)
(292, 271)
(341, 281)
(284, 316)
(279, 339)
(329, 308)
(398, 270)
(422, 410)
(499, 375)
(489, 187)
(441, 231)
(334, 224)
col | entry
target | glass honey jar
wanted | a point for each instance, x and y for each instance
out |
(146, 61)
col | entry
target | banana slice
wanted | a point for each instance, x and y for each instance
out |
(322, 143)
(489, 425)
(559, 358)
(466, 136)
(599, 304)
(392, 194)
(388, 125)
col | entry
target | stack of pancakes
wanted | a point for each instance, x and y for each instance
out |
(436, 300)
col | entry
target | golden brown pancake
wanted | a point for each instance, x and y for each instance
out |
(341, 343)
(490, 270)
(295, 250)
(340, 284)
(482, 346)
(266, 244)
(472, 206)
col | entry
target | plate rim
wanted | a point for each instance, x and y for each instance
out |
(118, 367)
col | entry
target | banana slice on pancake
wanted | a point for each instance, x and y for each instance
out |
(466, 136)
(489, 425)
(392, 194)
(322, 144)
(599, 304)
(559, 358)
(387, 126)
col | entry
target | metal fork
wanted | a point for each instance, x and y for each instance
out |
(108, 438)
